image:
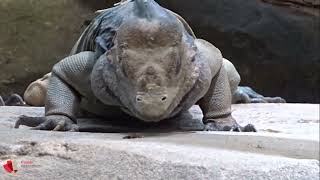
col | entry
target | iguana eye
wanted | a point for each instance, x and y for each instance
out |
(124, 69)
(173, 62)
(177, 62)
(193, 58)
(119, 59)
(193, 52)
(123, 46)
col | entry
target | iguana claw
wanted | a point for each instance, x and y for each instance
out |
(1, 101)
(53, 122)
(247, 95)
(214, 126)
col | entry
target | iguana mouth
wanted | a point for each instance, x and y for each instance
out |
(173, 107)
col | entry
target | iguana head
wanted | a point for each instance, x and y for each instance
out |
(153, 59)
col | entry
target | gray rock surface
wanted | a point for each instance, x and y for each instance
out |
(272, 153)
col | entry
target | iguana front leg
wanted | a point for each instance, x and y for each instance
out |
(61, 106)
(216, 106)
(62, 98)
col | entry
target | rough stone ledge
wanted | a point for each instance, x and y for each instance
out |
(287, 147)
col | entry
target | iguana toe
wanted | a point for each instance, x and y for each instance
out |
(74, 128)
(53, 122)
(213, 126)
(249, 128)
(65, 126)
(29, 121)
(235, 127)
(1, 101)
(248, 95)
(275, 100)
(42, 126)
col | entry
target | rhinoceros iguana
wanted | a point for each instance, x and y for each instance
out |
(144, 61)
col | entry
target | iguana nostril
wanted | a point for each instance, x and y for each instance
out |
(139, 98)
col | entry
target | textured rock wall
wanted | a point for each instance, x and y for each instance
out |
(273, 43)
(34, 34)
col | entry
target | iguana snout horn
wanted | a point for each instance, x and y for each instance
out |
(146, 8)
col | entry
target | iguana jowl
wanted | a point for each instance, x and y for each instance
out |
(142, 59)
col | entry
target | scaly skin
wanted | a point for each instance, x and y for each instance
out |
(141, 60)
